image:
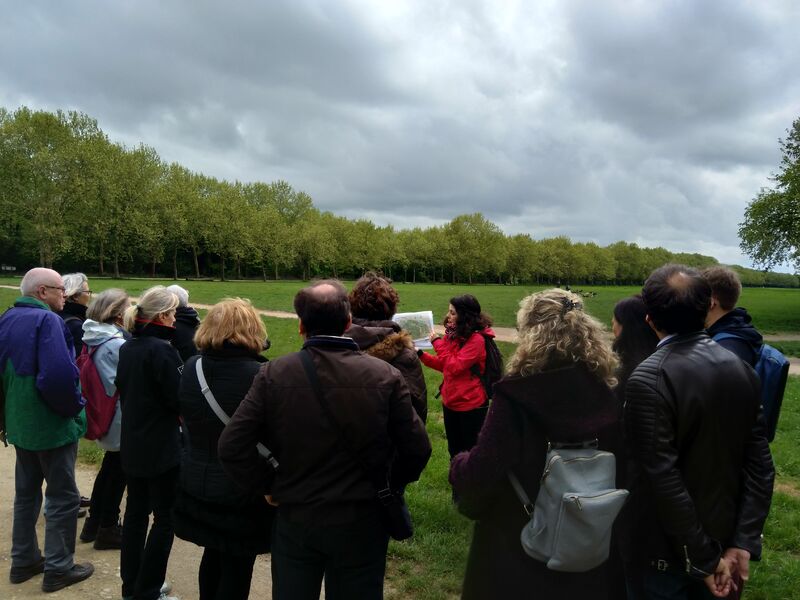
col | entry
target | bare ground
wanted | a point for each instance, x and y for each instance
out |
(105, 584)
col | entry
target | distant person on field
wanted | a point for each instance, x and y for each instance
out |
(186, 323)
(703, 475)
(373, 302)
(725, 317)
(148, 375)
(74, 311)
(104, 335)
(329, 522)
(559, 388)
(464, 400)
(44, 421)
(232, 525)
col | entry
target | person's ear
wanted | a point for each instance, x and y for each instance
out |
(649, 321)
(301, 329)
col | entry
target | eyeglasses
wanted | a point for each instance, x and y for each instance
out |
(90, 292)
(56, 287)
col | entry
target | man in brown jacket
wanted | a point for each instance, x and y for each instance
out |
(329, 521)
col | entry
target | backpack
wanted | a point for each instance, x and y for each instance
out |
(493, 370)
(570, 522)
(772, 368)
(100, 407)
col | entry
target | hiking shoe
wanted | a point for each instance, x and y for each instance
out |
(54, 581)
(85, 502)
(166, 588)
(89, 530)
(20, 574)
(108, 538)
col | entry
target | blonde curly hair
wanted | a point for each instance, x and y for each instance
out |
(554, 331)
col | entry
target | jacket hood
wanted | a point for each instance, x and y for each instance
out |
(186, 314)
(381, 342)
(737, 322)
(554, 398)
(95, 333)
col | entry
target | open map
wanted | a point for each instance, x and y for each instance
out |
(418, 324)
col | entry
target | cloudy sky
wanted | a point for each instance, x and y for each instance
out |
(653, 122)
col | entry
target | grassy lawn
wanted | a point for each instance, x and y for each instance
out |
(773, 310)
(431, 564)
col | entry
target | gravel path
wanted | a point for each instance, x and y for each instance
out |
(105, 584)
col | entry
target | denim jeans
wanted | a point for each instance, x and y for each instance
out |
(56, 467)
(144, 557)
(351, 556)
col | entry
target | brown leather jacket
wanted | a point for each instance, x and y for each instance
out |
(369, 399)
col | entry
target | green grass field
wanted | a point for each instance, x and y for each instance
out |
(773, 310)
(431, 564)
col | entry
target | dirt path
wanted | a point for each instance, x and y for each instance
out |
(105, 584)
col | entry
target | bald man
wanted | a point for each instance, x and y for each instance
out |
(44, 420)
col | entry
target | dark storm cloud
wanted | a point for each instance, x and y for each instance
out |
(636, 120)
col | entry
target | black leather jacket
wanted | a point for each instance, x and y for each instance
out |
(703, 469)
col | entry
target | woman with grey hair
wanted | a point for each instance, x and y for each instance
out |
(78, 294)
(103, 336)
(186, 323)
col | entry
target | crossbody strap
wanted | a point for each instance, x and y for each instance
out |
(222, 416)
(523, 497)
(380, 483)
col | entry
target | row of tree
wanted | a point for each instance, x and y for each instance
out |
(71, 198)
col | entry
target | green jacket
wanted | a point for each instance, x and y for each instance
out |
(43, 404)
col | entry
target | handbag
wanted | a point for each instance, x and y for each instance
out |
(395, 513)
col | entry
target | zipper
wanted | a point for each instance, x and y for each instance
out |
(688, 562)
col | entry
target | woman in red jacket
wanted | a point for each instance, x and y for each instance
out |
(461, 357)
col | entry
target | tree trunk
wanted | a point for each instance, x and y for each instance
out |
(238, 267)
(264, 272)
(196, 265)
(414, 275)
(102, 251)
(222, 267)
(175, 263)
(276, 270)
(116, 265)
(153, 268)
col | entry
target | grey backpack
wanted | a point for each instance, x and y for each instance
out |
(570, 522)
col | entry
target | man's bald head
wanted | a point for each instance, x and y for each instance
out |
(323, 308)
(45, 285)
(677, 298)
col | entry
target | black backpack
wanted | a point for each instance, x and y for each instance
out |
(493, 370)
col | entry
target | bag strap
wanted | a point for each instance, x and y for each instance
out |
(523, 497)
(380, 483)
(222, 416)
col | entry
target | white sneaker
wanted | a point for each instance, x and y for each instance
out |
(166, 588)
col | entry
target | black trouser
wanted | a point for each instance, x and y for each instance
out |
(350, 555)
(462, 428)
(143, 560)
(225, 576)
(109, 485)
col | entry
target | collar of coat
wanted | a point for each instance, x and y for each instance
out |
(30, 302)
(330, 341)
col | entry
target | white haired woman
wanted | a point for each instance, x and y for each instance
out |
(78, 295)
(148, 376)
(186, 324)
(559, 387)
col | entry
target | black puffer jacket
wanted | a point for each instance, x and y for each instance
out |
(148, 374)
(211, 510)
(74, 314)
(386, 340)
(747, 343)
(186, 324)
(704, 473)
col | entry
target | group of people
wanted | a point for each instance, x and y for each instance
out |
(244, 456)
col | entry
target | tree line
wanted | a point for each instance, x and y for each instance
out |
(71, 198)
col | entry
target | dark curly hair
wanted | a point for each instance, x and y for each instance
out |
(470, 317)
(373, 298)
